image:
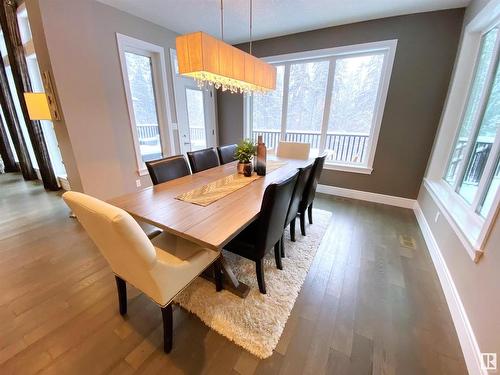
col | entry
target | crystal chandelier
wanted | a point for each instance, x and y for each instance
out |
(212, 62)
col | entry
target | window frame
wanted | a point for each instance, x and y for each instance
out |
(387, 47)
(157, 54)
(476, 125)
(470, 227)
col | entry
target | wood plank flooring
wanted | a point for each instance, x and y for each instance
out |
(369, 305)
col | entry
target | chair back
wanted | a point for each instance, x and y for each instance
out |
(302, 178)
(312, 183)
(166, 169)
(118, 237)
(203, 159)
(226, 153)
(293, 150)
(273, 213)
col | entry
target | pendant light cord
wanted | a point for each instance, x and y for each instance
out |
(222, 19)
(251, 16)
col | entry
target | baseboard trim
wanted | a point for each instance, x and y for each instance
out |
(468, 342)
(367, 196)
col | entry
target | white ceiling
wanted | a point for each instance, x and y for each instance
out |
(270, 17)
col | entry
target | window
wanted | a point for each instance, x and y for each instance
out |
(332, 99)
(196, 118)
(143, 69)
(140, 79)
(267, 109)
(472, 170)
(11, 144)
(463, 176)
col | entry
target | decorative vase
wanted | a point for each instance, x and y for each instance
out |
(247, 169)
(260, 166)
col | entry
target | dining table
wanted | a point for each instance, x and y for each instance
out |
(167, 206)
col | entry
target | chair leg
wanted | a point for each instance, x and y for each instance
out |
(121, 287)
(277, 255)
(303, 223)
(168, 320)
(218, 276)
(282, 247)
(259, 267)
(310, 213)
(292, 230)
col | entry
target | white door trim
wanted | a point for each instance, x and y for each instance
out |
(157, 54)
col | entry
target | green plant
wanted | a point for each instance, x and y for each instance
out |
(245, 151)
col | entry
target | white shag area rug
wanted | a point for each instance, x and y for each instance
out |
(257, 321)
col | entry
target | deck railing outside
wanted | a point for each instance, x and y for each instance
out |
(148, 134)
(341, 147)
(474, 170)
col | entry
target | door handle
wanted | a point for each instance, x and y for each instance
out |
(187, 143)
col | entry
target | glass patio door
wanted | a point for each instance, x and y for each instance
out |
(195, 109)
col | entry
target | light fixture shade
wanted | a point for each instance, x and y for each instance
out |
(38, 106)
(208, 59)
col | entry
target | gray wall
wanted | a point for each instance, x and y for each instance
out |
(477, 284)
(427, 45)
(230, 117)
(80, 46)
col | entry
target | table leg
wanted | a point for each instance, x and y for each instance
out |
(231, 282)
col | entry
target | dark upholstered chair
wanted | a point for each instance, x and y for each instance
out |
(203, 159)
(267, 230)
(302, 179)
(226, 153)
(166, 169)
(309, 193)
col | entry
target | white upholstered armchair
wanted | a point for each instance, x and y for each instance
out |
(161, 268)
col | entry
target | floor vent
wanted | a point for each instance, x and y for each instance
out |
(407, 241)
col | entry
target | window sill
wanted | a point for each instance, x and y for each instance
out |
(348, 168)
(466, 224)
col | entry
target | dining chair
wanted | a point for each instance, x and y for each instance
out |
(293, 150)
(226, 153)
(161, 268)
(166, 169)
(203, 159)
(306, 203)
(293, 209)
(267, 230)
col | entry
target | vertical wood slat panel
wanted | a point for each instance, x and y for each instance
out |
(14, 127)
(15, 50)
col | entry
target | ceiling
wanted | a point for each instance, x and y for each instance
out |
(270, 17)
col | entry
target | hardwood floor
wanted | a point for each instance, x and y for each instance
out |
(368, 306)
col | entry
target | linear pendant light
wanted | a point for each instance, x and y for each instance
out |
(211, 61)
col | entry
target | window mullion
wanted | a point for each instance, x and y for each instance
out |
(284, 108)
(250, 116)
(478, 116)
(247, 116)
(328, 104)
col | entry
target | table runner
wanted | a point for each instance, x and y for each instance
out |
(215, 190)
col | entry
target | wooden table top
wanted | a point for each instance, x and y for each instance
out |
(212, 226)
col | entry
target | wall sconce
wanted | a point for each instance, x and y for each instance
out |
(38, 105)
(42, 105)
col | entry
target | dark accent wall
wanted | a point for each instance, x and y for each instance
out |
(230, 117)
(425, 54)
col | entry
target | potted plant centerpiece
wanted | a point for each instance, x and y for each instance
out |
(244, 153)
